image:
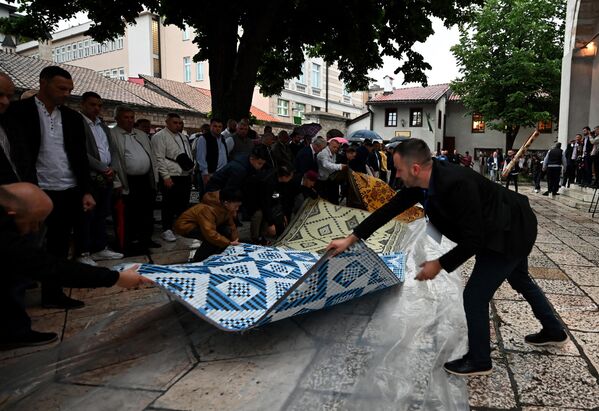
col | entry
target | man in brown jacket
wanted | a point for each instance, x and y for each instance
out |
(212, 222)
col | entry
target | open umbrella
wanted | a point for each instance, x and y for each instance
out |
(310, 129)
(361, 135)
(395, 141)
(340, 140)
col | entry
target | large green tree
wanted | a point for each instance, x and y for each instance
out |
(510, 63)
(263, 41)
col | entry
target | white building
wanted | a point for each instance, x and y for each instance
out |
(438, 117)
(579, 103)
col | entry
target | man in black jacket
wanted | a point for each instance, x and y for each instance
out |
(484, 220)
(23, 208)
(54, 140)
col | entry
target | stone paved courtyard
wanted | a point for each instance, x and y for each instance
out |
(137, 350)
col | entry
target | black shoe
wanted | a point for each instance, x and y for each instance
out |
(546, 193)
(63, 301)
(29, 339)
(465, 367)
(547, 338)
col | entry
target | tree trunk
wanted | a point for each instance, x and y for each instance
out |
(510, 136)
(233, 69)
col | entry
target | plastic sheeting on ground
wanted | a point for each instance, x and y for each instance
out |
(250, 285)
(383, 351)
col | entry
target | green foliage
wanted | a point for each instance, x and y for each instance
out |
(263, 42)
(510, 57)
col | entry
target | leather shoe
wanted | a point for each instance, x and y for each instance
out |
(29, 339)
(64, 302)
(465, 367)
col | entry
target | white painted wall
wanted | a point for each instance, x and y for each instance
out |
(459, 125)
(362, 124)
(403, 112)
(139, 46)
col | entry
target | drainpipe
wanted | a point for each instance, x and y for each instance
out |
(326, 90)
(371, 116)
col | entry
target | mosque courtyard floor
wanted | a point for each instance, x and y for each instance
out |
(138, 350)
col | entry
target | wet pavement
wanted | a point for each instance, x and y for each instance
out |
(137, 350)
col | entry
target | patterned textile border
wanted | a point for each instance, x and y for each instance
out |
(318, 222)
(370, 193)
(249, 285)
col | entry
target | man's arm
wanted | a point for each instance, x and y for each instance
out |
(399, 203)
(159, 148)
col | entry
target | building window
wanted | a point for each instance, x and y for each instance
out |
(122, 73)
(283, 107)
(346, 115)
(186, 69)
(119, 43)
(391, 117)
(315, 108)
(478, 123)
(200, 71)
(545, 127)
(302, 77)
(439, 119)
(300, 109)
(316, 75)
(185, 32)
(415, 117)
(156, 48)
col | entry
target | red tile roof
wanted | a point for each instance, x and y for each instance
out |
(413, 94)
(183, 93)
(24, 71)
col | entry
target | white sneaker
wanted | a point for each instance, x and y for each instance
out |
(86, 259)
(169, 236)
(536, 191)
(107, 254)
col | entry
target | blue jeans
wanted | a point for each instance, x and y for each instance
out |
(490, 270)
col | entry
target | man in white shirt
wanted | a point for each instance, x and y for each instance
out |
(136, 175)
(327, 166)
(57, 163)
(92, 241)
(228, 134)
(175, 165)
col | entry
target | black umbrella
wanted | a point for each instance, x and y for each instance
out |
(309, 130)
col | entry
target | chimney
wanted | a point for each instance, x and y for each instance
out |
(388, 85)
(45, 49)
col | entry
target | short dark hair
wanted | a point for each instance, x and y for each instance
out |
(586, 128)
(260, 152)
(142, 120)
(48, 73)
(231, 195)
(283, 171)
(172, 115)
(415, 150)
(90, 94)
(216, 120)
(350, 150)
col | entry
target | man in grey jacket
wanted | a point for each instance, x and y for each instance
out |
(92, 241)
(169, 146)
(136, 173)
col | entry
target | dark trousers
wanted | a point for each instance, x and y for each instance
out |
(553, 179)
(329, 190)
(14, 320)
(570, 173)
(207, 249)
(60, 225)
(490, 270)
(91, 231)
(514, 178)
(536, 178)
(595, 161)
(175, 200)
(139, 210)
(587, 172)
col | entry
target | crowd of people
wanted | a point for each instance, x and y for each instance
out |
(577, 164)
(90, 171)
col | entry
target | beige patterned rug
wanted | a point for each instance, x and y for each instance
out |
(318, 222)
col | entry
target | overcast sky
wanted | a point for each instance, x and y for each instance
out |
(435, 51)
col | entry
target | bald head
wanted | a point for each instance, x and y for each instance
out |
(27, 204)
(7, 90)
